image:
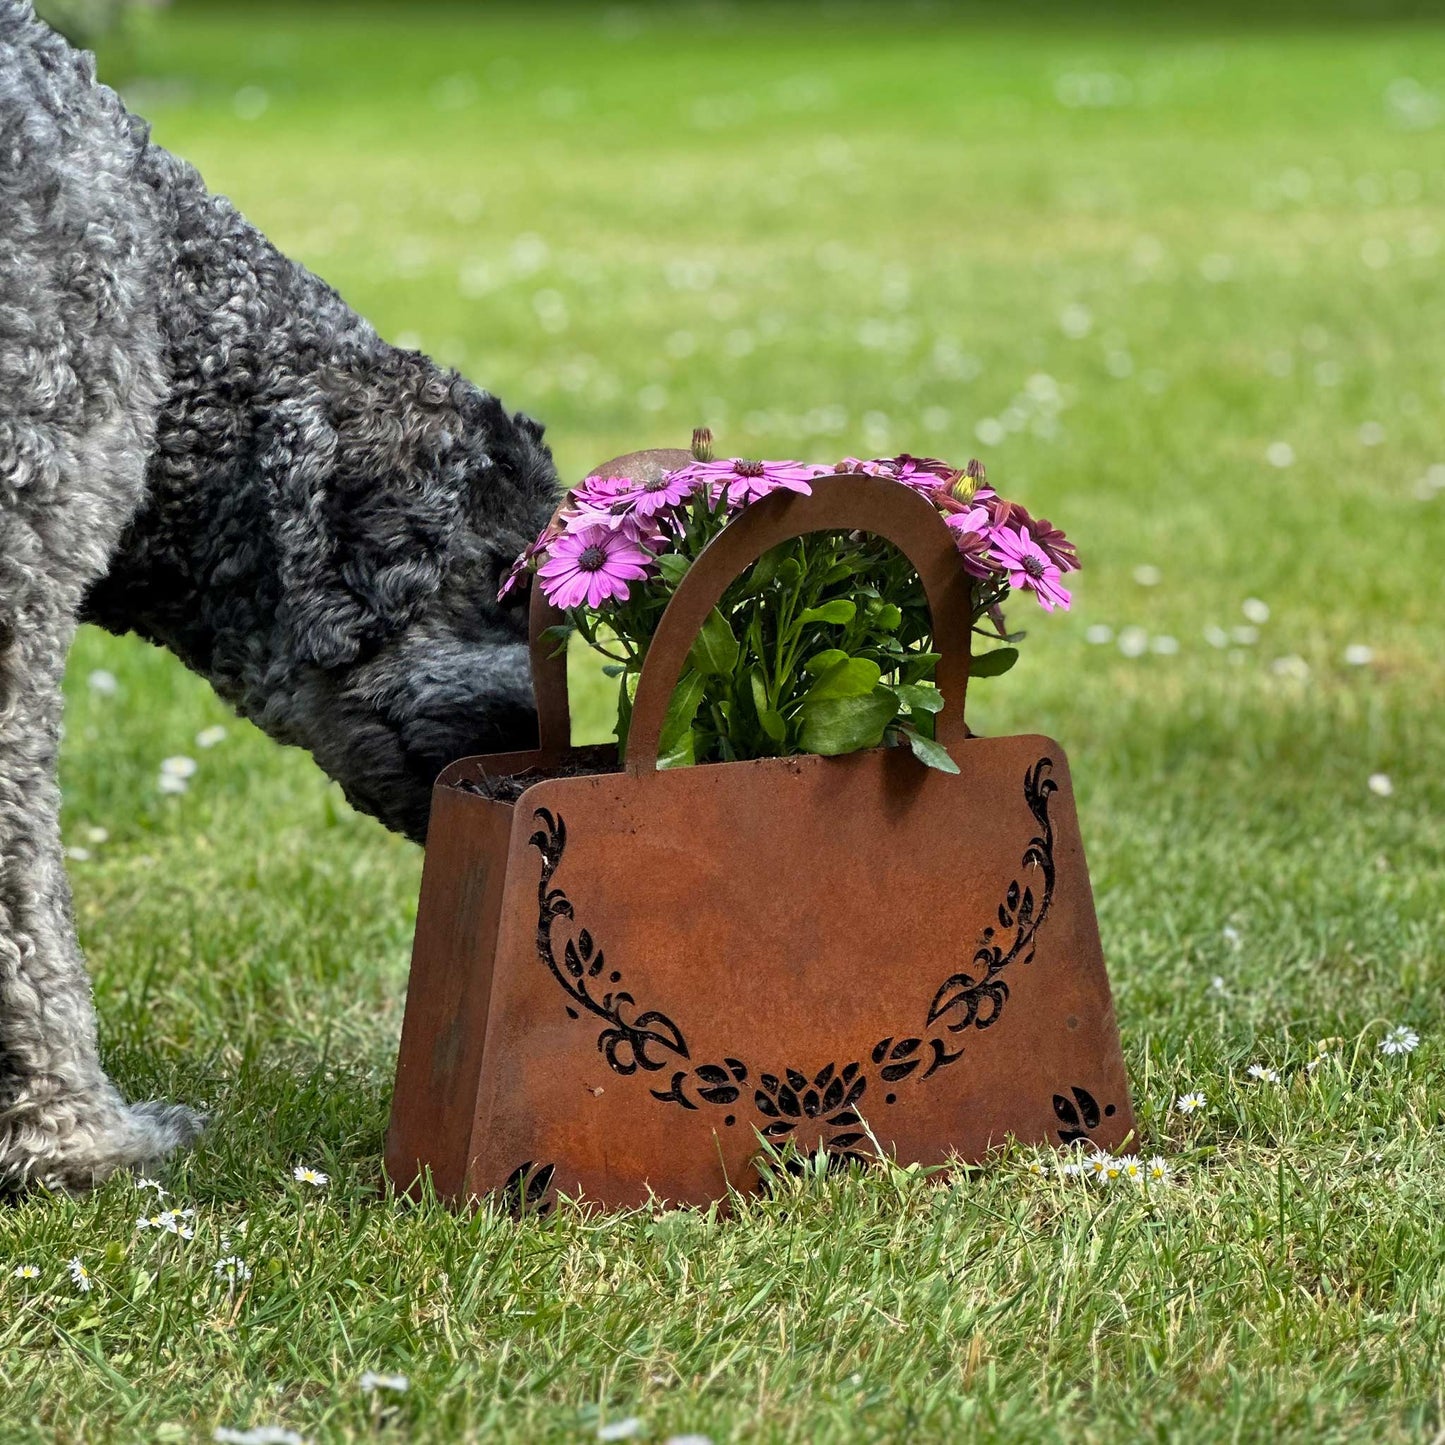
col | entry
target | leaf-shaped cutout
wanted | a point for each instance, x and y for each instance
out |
(904, 1048)
(833, 1095)
(1005, 918)
(788, 1103)
(844, 1141)
(1088, 1107)
(850, 1072)
(1065, 1110)
(769, 1082)
(584, 943)
(824, 1074)
(721, 1094)
(1012, 896)
(811, 1103)
(796, 1080)
(765, 1105)
(776, 1131)
(894, 1072)
(595, 967)
(846, 1117)
(712, 1074)
(574, 964)
(880, 1049)
(855, 1091)
(739, 1069)
(1026, 908)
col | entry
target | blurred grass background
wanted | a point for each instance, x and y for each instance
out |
(1175, 276)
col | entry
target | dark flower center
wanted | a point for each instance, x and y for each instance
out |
(1033, 567)
(657, 484)
(748, 469)
(590, 559)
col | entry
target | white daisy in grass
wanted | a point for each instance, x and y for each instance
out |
(97, 836)
(153, 1185)
(80, 1275)
(620, 1429)
(257, 1435)
(209, 737)
(1072, 1168)
(1131, 1167)
(169, 783)
(371, 1381)
(305, 1174)
(1157, 1171)
(232, 1268)
(1401, 1039)
(178, 767)
(1101, 1168)
(173, 1221)
(149, 1221)
(103, 682)
(1263, 1073)
(1191, 1103)
(1036, 1169)
(25, 1271)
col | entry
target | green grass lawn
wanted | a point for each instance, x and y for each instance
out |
(1178, 283)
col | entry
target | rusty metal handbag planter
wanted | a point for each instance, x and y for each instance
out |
(626, 976)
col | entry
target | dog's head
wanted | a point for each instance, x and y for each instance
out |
(403, 503)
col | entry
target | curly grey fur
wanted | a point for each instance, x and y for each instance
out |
(200, 442)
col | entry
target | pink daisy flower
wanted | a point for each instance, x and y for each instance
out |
(923, 474)
(855, 466)
(647, 499)
(743, 481)
(1027, 565)
(1057, 547)
(972, 537)
(592, 565)
(522, 567)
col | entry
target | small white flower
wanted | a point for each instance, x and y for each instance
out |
(178, 767)
(1216, 985)
(1146, 574)
(1359, 654)
(1245, 636)
(103, 682)
(153, 1184)
(149, 1221)
(257, 1435)
(1216, 636)
(1191, 1103)
(1131, 1167)
(1133, 642)
(620, 1429)
(1036, 1169)
(304, 1174)
(1279, 454)
(97, 835)
(80, 1275)
(1380, 785)
(372, 1381)
(172, 1221)
(78, 855)
(1255, 611)
(1164, 645)
(1158, 1171)
(232, 1268)
(1231, 935)
(1102, 1168)
(1401, 1039)
(688, 1440)
(169, 783)
(1071, 1169)
(1099, 634)
(1263, 1073)
(25, 1271)
(209, 737)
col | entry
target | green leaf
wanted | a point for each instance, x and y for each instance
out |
(789, 570)
(837, 572)
(920, 699)
(613, 669)
(886, 616)
(820, 662)
(673, 566)
(675, 747)
(993, 664)
(928, 751)
(840, 610)
(920, 666)
(558, 634)
(769, 719)
(765, 569)
(845, 724)
(853, 677)
(715, 653)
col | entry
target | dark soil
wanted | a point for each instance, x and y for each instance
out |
(510, 788)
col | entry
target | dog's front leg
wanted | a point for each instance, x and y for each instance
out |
(62, 1123)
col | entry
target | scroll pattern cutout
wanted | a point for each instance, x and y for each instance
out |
(827, 1098)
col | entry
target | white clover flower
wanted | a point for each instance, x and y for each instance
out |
(620, 1429)
(25, 1271)
(256, 1435)
(1191, 1103)
(80, 1275)
(1157, 1170)
(97, 835)
(1401, 1039)
(1255, 611)
(371, 1381)
(304, 1174)
(209, 737)
(1380, 785)
(178, 767)
(169, 783)
(1263, 1073)
(232, 1268)
(103, 682)
(1359, 654)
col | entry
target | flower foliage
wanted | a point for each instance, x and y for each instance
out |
(825, 644)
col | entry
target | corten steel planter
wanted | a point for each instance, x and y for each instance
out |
(624, 977)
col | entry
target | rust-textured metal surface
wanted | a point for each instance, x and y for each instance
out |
(624, 977)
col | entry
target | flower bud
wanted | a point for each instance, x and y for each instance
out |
(702, 444)
(962, 487)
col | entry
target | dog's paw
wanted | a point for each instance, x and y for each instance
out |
(76, 1146)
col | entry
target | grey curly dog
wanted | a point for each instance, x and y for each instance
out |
(200, 443)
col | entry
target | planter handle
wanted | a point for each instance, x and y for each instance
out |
(841, 503)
